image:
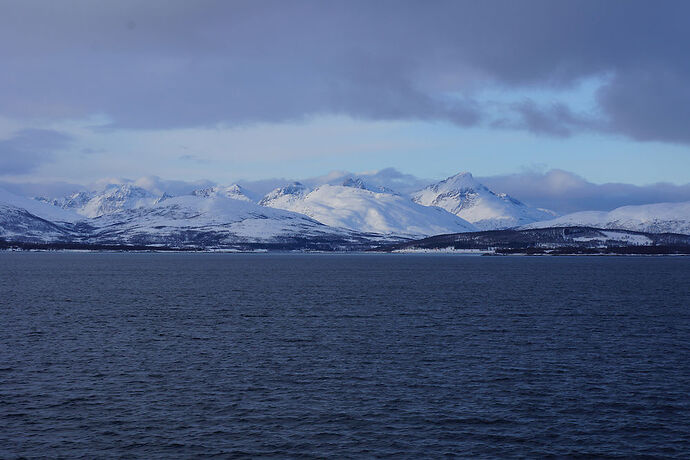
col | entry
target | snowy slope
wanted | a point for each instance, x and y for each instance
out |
(17, 224)
(115, 199)
(234, 191)
(358, 182)
(463, 196)
(383, 180)
(120, 197)
(38, 208)
(213, 220)
(206, 219)
(24, 219)
(356, 207)
(651, 218)
(285, 197)
(74, 201)
(112, 199)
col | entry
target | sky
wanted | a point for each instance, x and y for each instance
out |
(531, 96)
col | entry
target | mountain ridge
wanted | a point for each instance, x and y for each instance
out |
(653, 218)
(465, 197)
(347, 212)
(356, 207)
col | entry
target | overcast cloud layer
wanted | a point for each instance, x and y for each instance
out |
(27, 148)
(565, 192)
(167, 64)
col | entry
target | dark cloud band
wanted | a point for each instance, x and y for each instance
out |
(174, 63)
(25, 150)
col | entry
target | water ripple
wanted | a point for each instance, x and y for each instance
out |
(312, 356)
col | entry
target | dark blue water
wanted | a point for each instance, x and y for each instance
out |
(184, 355)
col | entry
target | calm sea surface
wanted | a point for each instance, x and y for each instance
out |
(185, 355)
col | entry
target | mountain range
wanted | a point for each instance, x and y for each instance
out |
(342, 212)
(355, 206)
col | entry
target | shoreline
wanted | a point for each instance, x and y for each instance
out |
(420, 253)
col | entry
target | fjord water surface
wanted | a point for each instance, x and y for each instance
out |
(184, 355)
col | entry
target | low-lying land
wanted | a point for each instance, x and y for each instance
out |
(559, 240)
(548, 241)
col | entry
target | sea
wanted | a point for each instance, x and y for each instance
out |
(201, 355)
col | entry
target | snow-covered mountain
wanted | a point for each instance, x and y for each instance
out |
(384, 180)
(76, 200)
(234, 191)
(348, 214)
(113, 198)
(651, 218)
(463, 196)
(210, 220)
(355, 206)
(202, 220)
(285, 197)
(19, 224)
(38, 208)
(31, 220)
(358, 182)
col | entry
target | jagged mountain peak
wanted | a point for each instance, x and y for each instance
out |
(237, 192)
(163, 197)
(360, 209)
(77, 199)
(463, 181)
(234, 191)
(235, 188)
(40, 208)
(231, 191)
(287, 193)
(464, 196)
(294, 189)
(112, 198)
(354, 182)
(72, 201)
(125, 191)
(462, 175)
(358, 182)
(204, 192)
(116, 199)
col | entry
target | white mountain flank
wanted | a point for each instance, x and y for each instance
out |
(43, 210)
(350, 211)
(234, 191)
(651, 218)
(114, 198)
(30, 220)
(121, 197)
(354, 206)
(463, 196)
(191, 218)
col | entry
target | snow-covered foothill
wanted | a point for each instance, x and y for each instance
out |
(651, 218)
